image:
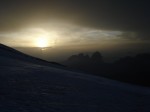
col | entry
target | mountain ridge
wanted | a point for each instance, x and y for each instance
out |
(21, 56)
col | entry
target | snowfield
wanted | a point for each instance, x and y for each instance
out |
(26, 86)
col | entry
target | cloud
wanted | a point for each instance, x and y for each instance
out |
(60, 34)
(136, 36)
(113, 15)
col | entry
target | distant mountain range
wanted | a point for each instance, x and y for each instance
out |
(129, 69)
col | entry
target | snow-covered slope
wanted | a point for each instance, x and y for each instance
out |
(26, 86)
(14, 54)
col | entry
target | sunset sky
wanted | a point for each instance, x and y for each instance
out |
(76, 25)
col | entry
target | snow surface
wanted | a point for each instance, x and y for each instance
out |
(26, 86)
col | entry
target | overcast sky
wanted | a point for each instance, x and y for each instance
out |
(75, 22)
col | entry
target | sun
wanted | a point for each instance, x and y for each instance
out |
(42, 42)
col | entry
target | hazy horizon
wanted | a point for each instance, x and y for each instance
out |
(114, 28)
(60, 54)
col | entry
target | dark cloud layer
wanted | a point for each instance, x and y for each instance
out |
(121, 15)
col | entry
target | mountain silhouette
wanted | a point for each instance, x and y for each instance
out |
(128, 69)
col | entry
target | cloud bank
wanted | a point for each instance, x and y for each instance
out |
(113, 15)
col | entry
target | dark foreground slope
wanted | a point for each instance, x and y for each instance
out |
(31, 87)
(11, 53)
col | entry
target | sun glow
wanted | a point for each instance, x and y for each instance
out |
(42, 42)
